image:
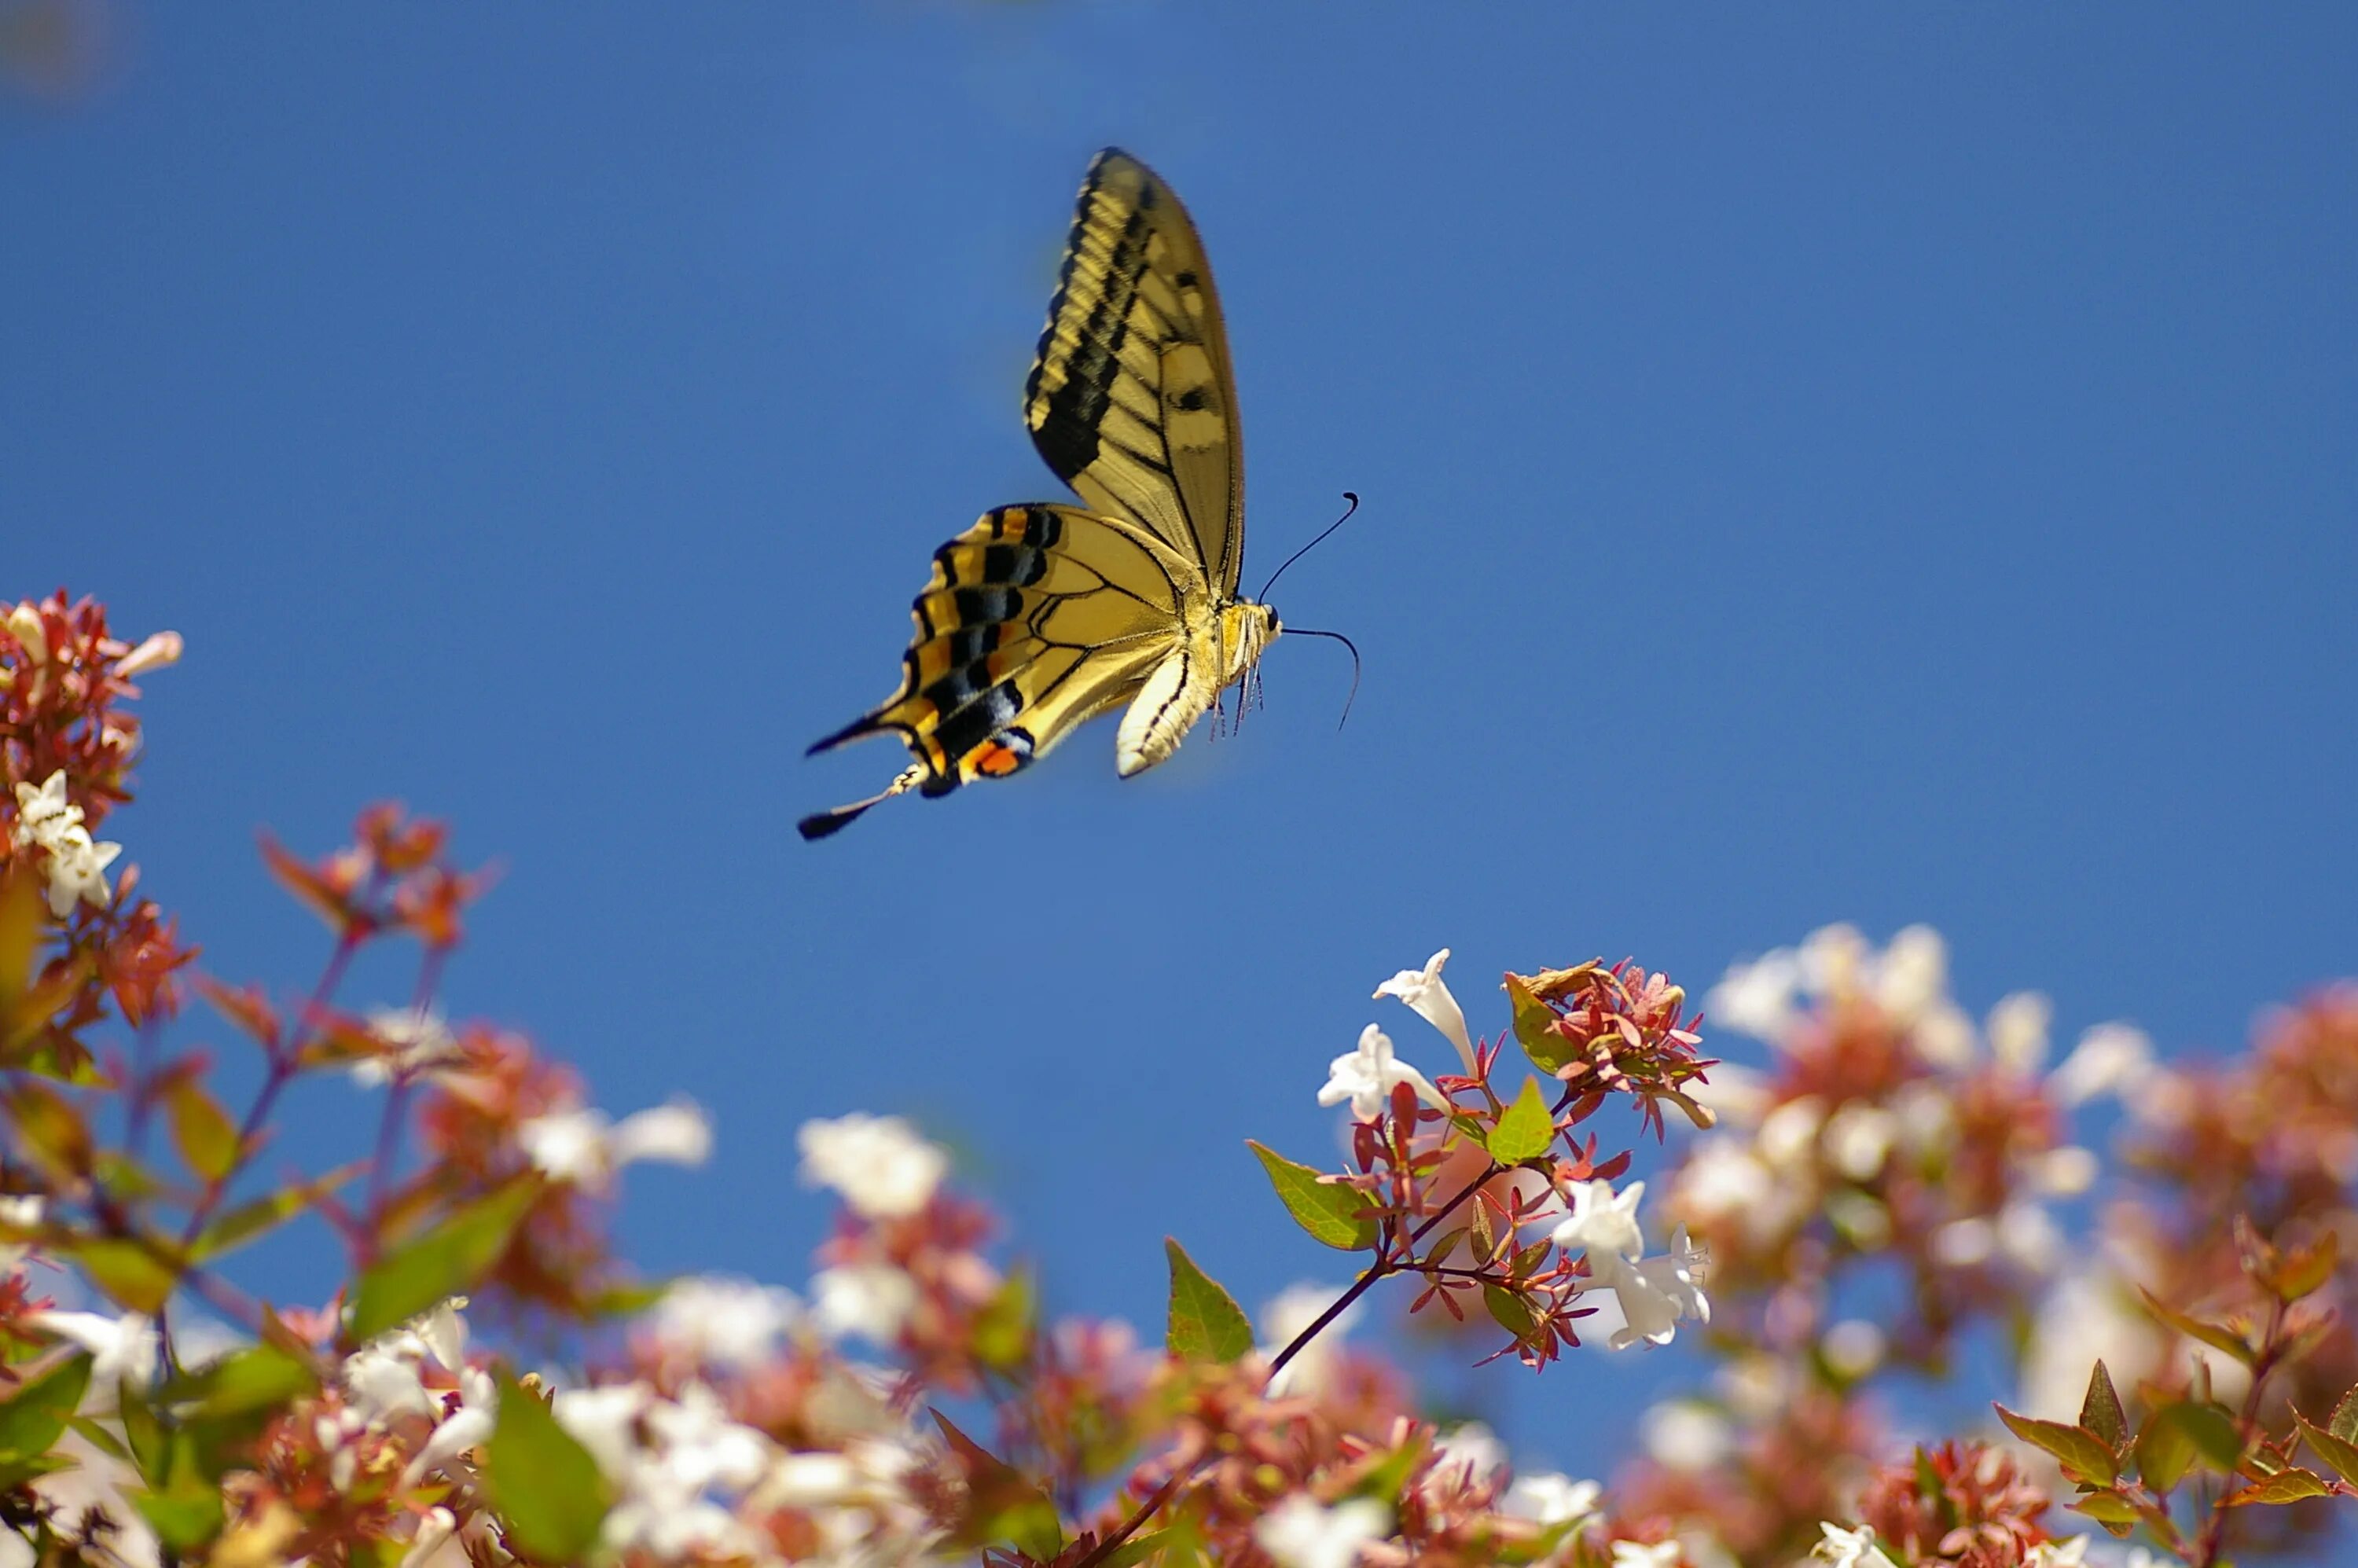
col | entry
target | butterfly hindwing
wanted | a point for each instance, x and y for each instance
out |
(1131, 399)
(1037, 620)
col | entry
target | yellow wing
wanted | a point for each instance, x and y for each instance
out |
(1130, 398)
(1038, 619)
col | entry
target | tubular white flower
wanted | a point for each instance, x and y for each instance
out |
(1602, 1224)
(1293, 1309)
(1912, 976)
(1849, 1548)
(1551, 1498)
(1639, 1554)
(1302, 1534)
(122, 1349)
(716, 1320)
(1756, 998)
(1366, 1077)
(159, 650)
(869, 1299)
(1464, 1457)
(2016, 1028)
(581, 1148)
(1425, 994)
(880, 1164)
(2108, 1059)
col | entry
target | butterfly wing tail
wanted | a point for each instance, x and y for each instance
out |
(823, 824)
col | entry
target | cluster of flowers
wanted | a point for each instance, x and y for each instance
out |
(153, 1411)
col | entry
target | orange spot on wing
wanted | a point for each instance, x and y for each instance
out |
(996, 760)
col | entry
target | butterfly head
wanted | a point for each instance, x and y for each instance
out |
(1245, 629)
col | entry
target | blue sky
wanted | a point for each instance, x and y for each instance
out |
(1882, 463)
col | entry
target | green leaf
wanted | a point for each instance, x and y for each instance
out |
(248, 1220)
(51, 1132)
(2304, 1269)
(2181, 1434)
(2284, 1487)
(2164, 1453)
(2107, 1509)
(1508, 1311)
(1206, 1325)
(261, 1377)
(544, 1487)
(185, 1520)
(128, 1272)
(1001, 1334)
(201, 1130)
(2083, 1455)
(2343, 1422)
(2339, 1453)
(2218, 1335)
(1525, 1130)
(1001, 1502)
(2101, 1411)
(34, 1419)
(1333, 1214)
(447, 1260)
(1535, 1028)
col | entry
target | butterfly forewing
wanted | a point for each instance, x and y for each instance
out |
(1130, 399)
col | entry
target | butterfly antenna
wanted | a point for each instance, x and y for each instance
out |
(1337, 636)
(1263, 594)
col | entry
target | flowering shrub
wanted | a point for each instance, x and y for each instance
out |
(1882, 1202)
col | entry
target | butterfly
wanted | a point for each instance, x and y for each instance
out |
(1044, 615)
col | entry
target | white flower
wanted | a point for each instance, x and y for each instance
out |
(467, 1427)
(1424, 992)
(1849, 1548)
(1756, 998)
(604, 1421)
(1962, 1243)
(1835, 960)
(1857, 1138)
(2109, 1059)
(2029, 1235)
(160, 649)
(1789, 1134)
(1549, 1499)
(1678, 1274)
(1639, 1554)
(1943, 1037)
(2090, 1314)
(122, 1349)
(702, 1446)
(25, 624)
(1684, 1436)
(581, 1148)
(421, 1042)
(77, 867)
(1602, 1224)
(810, 1481)
(1912, 975)
(2069, 1552)
(1852, 1347)
(2017, 1032)
(1650, 1295)
(871, 1300)
(1301, 1534)
(2064, 1172)
(1739, 1095)
(880, 1164)
(1465, 1458)
(716, 1320)
(1293, 1309)
(1366, 1077)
